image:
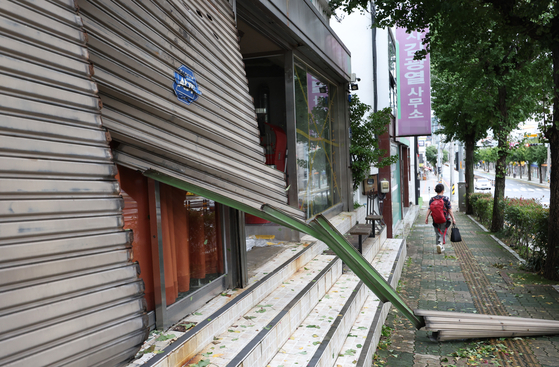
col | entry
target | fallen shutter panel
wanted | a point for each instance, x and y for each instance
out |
(68, 287)
(136, 47)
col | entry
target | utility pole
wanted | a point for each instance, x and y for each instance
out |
(548, 168)
(461, 179)
(439, 158)
(451, 169)
(461, 172)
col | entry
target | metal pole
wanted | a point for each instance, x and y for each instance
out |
(461, 170)
(548, 168)
(451, 170)
(416, 170)
(439, 157)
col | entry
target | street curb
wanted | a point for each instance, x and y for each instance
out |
(506, 247)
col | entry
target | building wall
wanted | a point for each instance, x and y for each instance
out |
(355, 31)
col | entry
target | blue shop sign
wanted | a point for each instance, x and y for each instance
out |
(185, 86)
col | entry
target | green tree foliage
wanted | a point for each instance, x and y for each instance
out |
(538, 22)
(496, 73)
(455, 105)
(364, 149)
(431, 155)
(486, 155)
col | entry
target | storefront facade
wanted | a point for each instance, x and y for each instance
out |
(108, 111)
(298, 72)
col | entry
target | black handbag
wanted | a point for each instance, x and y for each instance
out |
(455, 234)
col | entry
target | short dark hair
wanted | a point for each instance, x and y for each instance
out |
(439, 188)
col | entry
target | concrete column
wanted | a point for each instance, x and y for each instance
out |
(406, 176)
(384, 173)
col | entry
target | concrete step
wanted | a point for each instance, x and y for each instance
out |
(216, 316)
(362, 340)
(328, 334)
(270, 297)
(254, 338)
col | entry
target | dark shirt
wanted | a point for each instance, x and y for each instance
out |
(447, 204)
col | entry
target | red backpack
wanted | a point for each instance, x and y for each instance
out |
(438, 211)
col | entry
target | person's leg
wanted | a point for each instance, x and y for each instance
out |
(437, 234)
(440, 230)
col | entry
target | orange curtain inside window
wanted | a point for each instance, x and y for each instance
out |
(192, 243)
(134, 191)
(190, 230)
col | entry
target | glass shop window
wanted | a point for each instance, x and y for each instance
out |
(192, 242)
(316, 110)
(191, 234)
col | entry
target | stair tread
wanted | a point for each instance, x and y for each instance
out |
(360, 330)
(246, 328)
(302, 345)
(217, 302)
(362, 324)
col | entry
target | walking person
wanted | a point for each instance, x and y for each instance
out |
(441, 211)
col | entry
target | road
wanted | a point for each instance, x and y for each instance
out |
(521, 189)
(514, 188)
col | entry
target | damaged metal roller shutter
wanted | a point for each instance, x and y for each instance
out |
(136, 48)
(69, 292)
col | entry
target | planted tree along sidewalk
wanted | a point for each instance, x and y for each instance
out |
(525, 229)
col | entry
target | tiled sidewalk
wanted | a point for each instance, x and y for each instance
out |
(477, 275)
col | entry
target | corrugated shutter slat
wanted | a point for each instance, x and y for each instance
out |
(136, 47)
(67, 282)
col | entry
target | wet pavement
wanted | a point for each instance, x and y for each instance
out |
(476, 275)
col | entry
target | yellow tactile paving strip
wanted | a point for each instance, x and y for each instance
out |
(487, 302)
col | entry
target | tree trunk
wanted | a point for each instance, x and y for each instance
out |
(540, 168)
(498, 220)
(469, 173)
(501, 133)
(528, 164)
(551, 270)
(520, 169)
(552, 259)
